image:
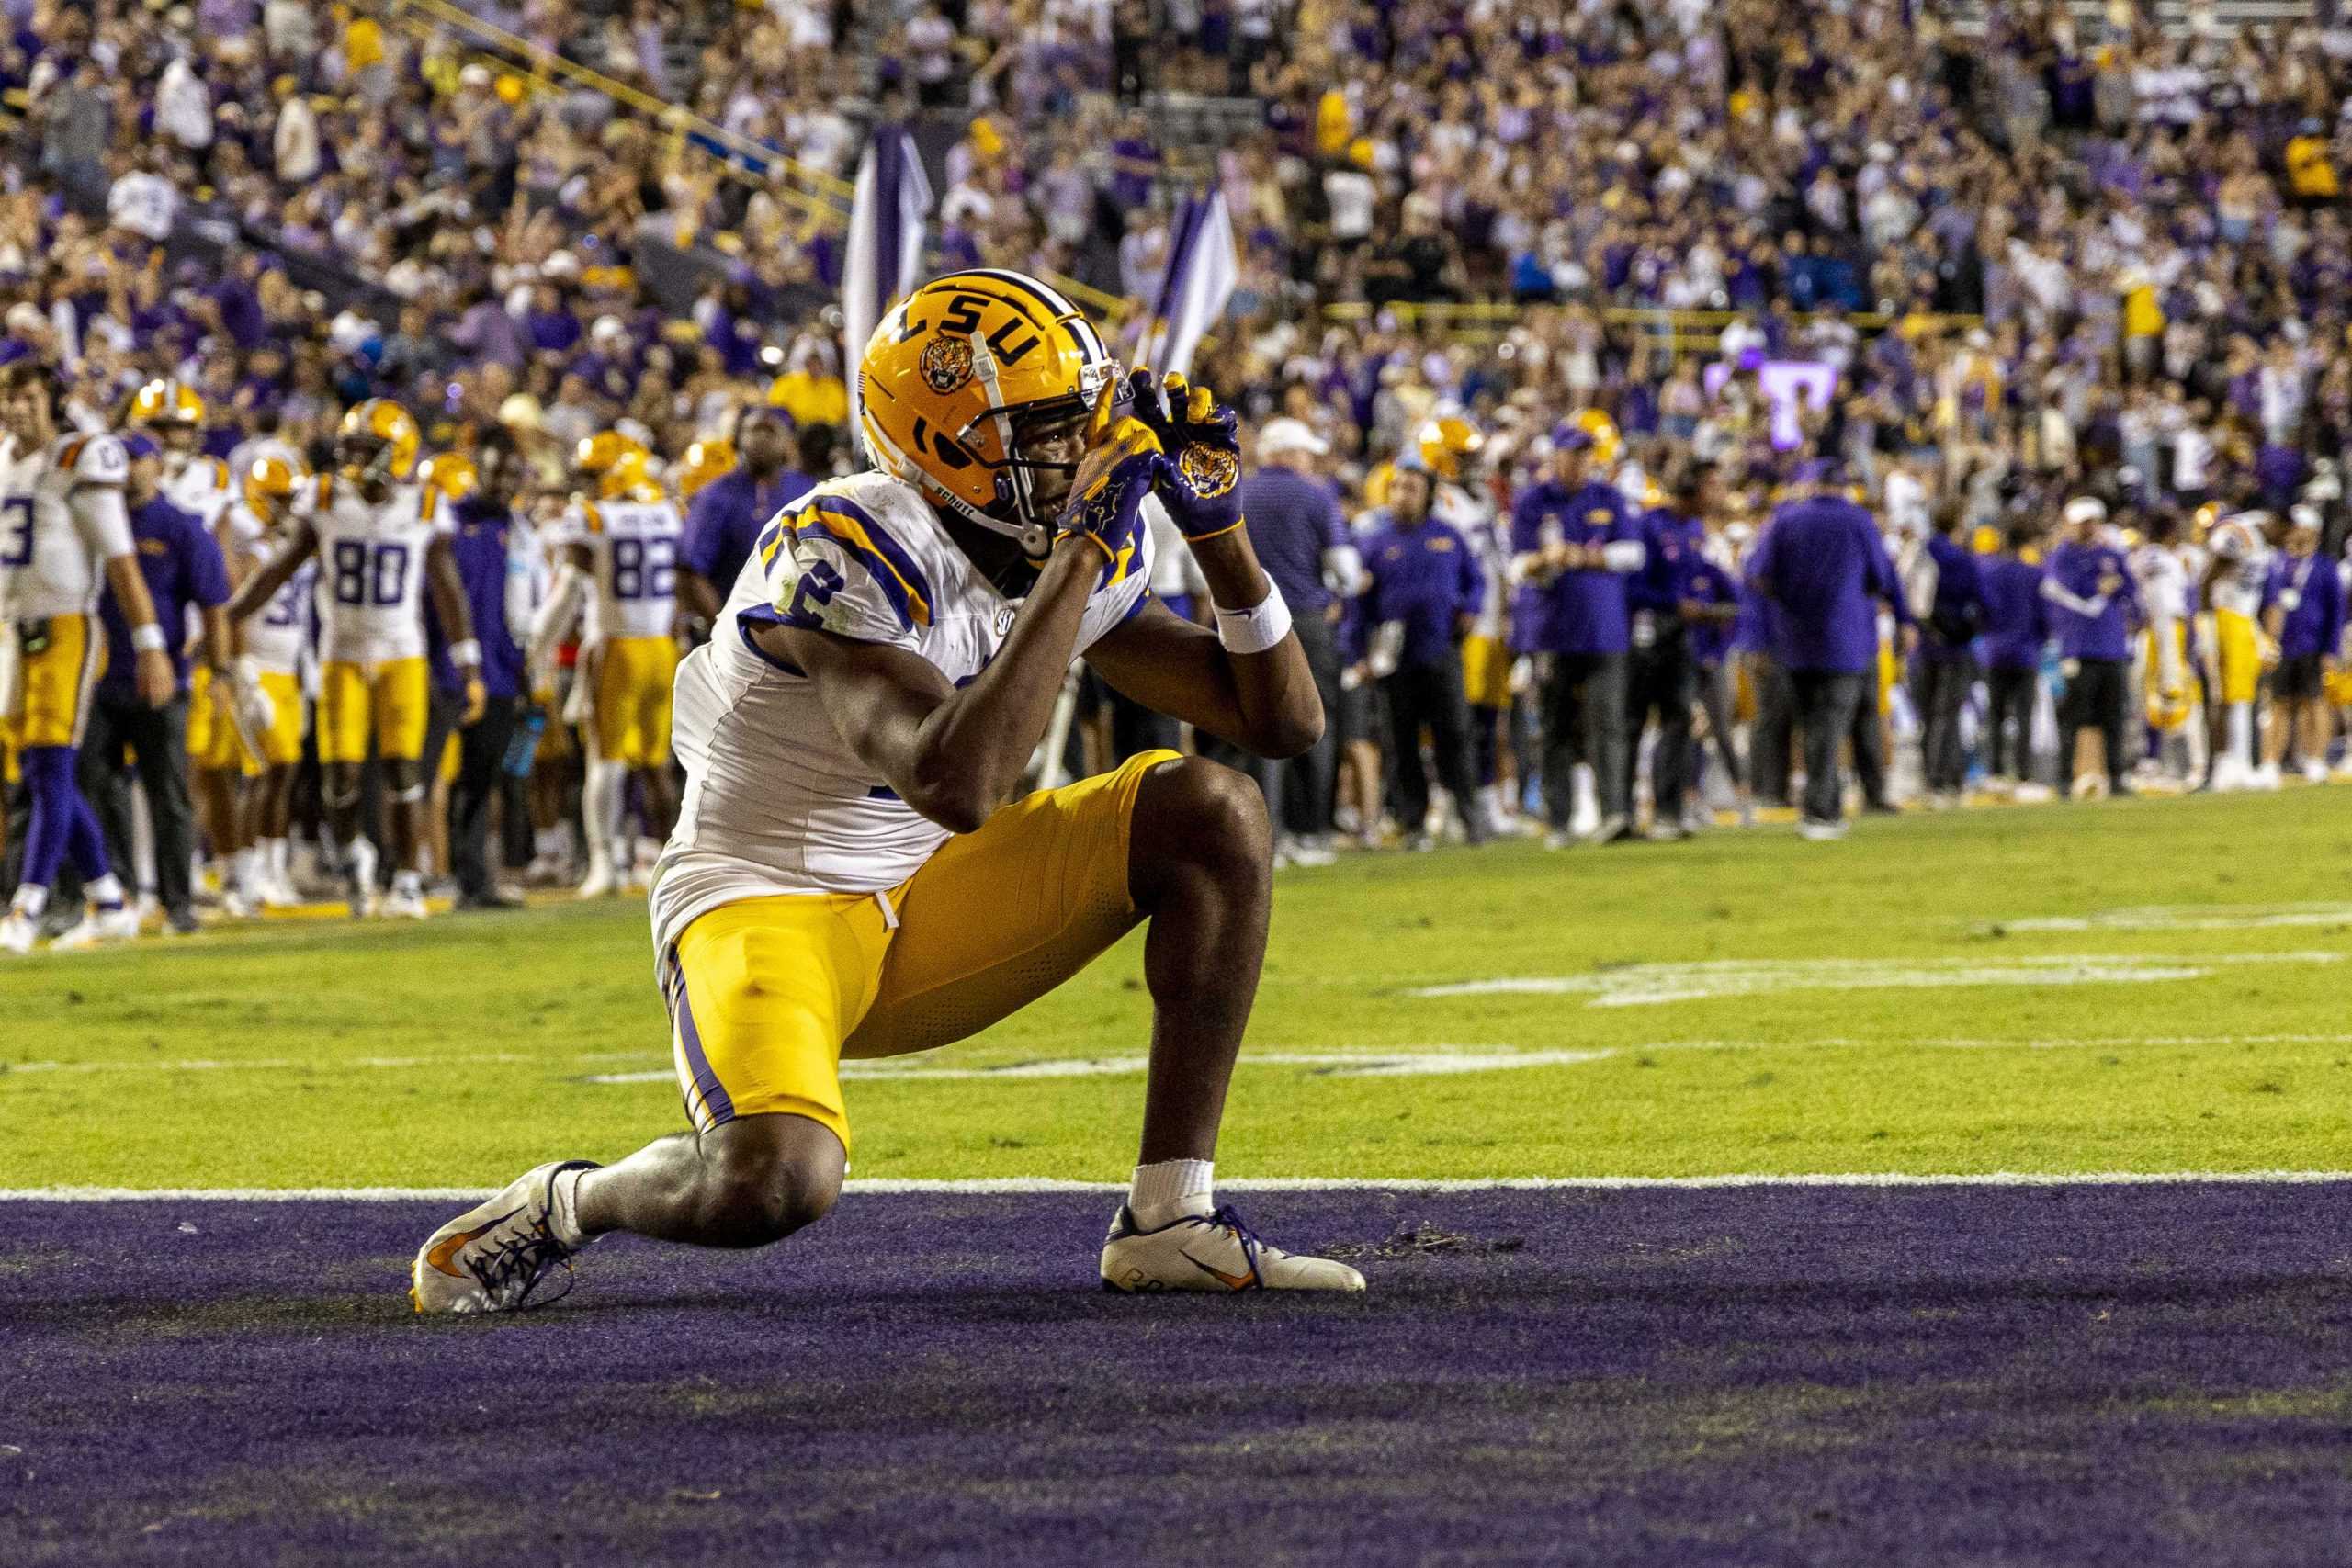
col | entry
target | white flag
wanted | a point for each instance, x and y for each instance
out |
(884, 260)
(1202, 271)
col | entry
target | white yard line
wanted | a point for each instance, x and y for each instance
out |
(2190, 917)
(1650, 984)
(885, 1186)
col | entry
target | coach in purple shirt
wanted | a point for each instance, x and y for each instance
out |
(1823, 568)
(728, 513)
(1576, 544)
(1424, 580)
(2014, 628)
(2087, 587)
(185, 574)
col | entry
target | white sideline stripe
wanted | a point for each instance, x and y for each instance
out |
(1649, 985)
(1342, 1063)
(1015, 1185)
(1366, 1062)
(2188, 917)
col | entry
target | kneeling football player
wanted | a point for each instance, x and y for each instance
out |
(855, 872)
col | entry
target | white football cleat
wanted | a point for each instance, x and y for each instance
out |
(1211, 1252)
(493, 1256)
(600, 881)
(17, 932)
(96, 927)
(399, 905)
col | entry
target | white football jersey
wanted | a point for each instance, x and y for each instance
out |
(61, 519)
(634, 547)
(201, 485)
(274, 635)
(2162, 581)
(1489, 543)
(371, 568)
(2245, 572)
(775, 802)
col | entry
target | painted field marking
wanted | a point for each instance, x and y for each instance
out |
(1364, 1062)
(1650, 984)
(1017, 1185)
(2190, 917)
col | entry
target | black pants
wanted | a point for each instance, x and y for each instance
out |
(119, 727)
(482, 777)
(2098, 697)
(1660, 682)
(1940, 690)
(1298, 789)
(2011, 723)
(1869, 738)
(1770, 743)
(1826, 705)
(1713, 685)
(1431, 694)
(1584, 721)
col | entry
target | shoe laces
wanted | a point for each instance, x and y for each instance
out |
(511, 1270)
(1225, 1217)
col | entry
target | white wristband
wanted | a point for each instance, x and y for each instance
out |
(466, 655)
(150, 636)
(1256, 629)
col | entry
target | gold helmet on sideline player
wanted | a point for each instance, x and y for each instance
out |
(614, 460)
(705, 461)
(378, 439)
(1608, 446)
(451, 473)
(1448, 442)
(959, 379)
(270, 481)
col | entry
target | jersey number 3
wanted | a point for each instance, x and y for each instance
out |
(364, 577)
(17, 530)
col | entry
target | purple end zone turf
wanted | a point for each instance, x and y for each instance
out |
(2079, 1375)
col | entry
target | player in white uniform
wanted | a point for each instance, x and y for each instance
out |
(65, 537)
(856, 871)
(173, 413)
(2234, 584)
(267, 675)
(619, 552)
(378, 541)
(2167, 683)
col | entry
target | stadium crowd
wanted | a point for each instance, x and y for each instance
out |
(1710, 406)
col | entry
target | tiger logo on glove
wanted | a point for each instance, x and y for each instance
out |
(1209, 472)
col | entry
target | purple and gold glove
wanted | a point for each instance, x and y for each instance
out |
(1201, 485)
(1122, 464)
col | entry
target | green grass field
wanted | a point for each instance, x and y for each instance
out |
(1937, 995)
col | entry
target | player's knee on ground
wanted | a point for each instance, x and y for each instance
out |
(765, 1177)
(1196, 812)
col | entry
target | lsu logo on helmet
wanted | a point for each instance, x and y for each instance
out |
(961, 375)
(379, 440)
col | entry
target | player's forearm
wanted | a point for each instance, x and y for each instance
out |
(971, 752)
(697, 595)
(220, 646)
(262, 586)
(1282, 712)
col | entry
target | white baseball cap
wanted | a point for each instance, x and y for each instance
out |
(1290, 435)
(2086, 509)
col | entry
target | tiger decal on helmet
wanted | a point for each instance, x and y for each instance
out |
(957, 376)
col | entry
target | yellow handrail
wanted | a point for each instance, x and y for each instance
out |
(645, 103)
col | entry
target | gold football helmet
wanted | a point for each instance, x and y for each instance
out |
(1447, 443)
(961, 374)
(166, 402)
(270, 482)
(451, 473)
(614, 461)
(705, 461)
(378, 440)
(1607, 444)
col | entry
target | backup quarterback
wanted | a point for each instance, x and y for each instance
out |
(379, 540)
(855, 872)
